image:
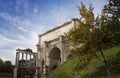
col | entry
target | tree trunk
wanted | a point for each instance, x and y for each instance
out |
(106, 63)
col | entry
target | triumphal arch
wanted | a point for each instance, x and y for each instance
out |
(53, 48)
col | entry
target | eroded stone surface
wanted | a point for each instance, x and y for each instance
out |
(53, 48)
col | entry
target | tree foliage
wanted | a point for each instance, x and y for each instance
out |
(95, 34)
(111, 29)
(6, 66)
(85, 36)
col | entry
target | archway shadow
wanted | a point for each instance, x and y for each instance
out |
(54, 59)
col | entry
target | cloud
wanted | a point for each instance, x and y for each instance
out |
(22, 29)
(57, 15)
(22, 5)
(22, 23)
(36, 8)
(21, 40)
(8, 55)
(6, 40)
(12, 19)
(8, 46)
(6, 16)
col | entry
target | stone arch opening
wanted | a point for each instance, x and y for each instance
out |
(54, 58)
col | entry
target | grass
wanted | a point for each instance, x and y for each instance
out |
(96, 68)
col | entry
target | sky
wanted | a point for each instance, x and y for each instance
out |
(21, 21)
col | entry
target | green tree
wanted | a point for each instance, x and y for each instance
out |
(93, 34)
(2, 64)
(85, 37)
(6, 66)
(111, 29)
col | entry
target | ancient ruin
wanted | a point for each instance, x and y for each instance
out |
(25, 66)
(53, 49)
